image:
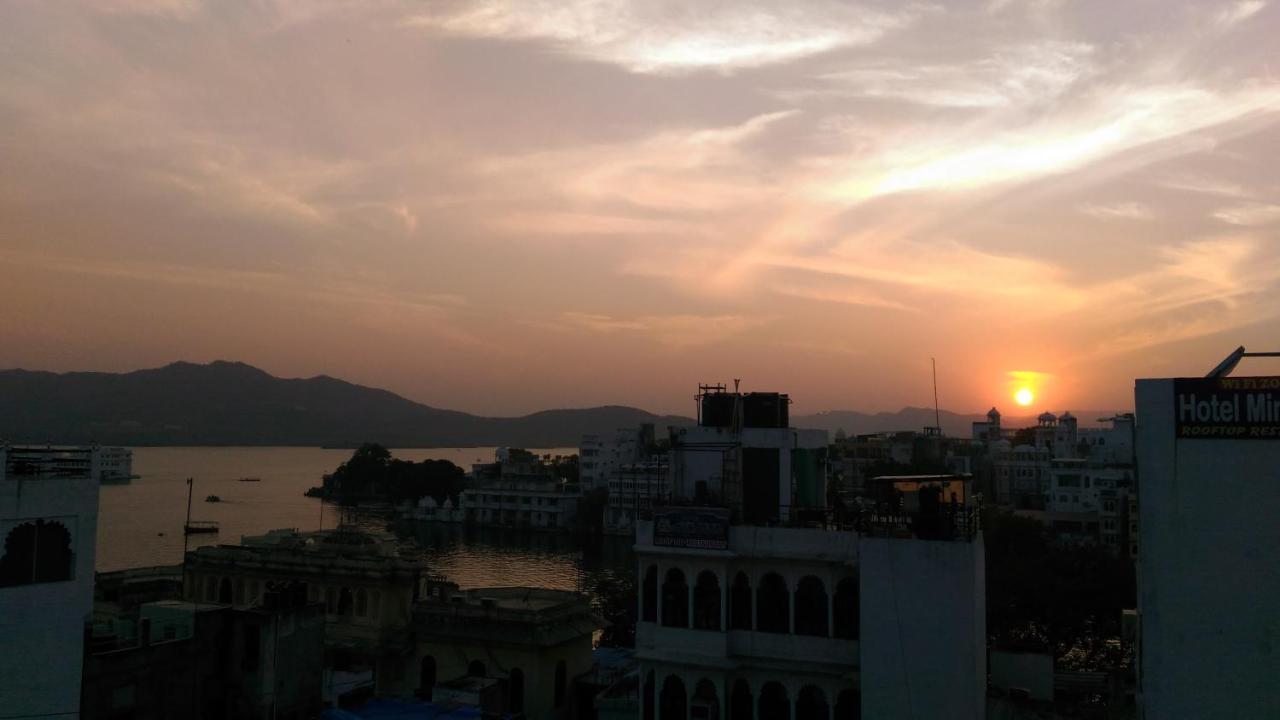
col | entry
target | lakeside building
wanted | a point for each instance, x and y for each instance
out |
(502, 650)
(518, 490)
(757, 602)
(1209, 499)
(599, 456)
(366, 582)
(102, 463)
(635, 489)
(49, 521)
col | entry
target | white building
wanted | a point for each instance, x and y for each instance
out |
(634, 490)
(600, 455)
(754, 605)
(1208, 579)
(49, 521)
(518, 491)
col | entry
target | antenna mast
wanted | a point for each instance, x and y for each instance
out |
(937, 417)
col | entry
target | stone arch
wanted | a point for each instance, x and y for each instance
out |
(37, 552)
(649, 595)
(740, 701)
(224, 591)
(811, 704)
(675, 599)
(706, 602)
(426, 676)
(847, 609)
(774, 703)
(811, 607)
(562, 680)
(773, 606)
(476, 668)
(849, 705)
(705, 703)
(515, 690)
(740, 603)
(672, 704)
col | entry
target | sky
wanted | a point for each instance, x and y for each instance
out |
(502, 206)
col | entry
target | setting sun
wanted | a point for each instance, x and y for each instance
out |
(1024, 397)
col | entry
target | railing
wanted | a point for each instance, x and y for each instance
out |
(948, 522)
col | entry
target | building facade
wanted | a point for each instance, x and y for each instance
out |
(49, 521)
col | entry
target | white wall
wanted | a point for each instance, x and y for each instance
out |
(923, 628)
(42, 625)
(1209, 576)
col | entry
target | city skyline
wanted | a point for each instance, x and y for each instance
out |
(503, 207)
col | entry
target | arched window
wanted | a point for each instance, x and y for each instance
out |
(675, 600)
(706, 602)
(426, 677)
(740, 603)
(515, 690)
(345, 601)
(649, 593)
(476, 668)
(705, 704)
(847, 609)
(562, 679)
(849, 705)
(672, 704)
(774, 703)
(211, 589)
(36, 552)
(811, 607)
(646, 702)
(773, 608)
(740, 701)
(812, 704)
(362, 602)
(224, 591)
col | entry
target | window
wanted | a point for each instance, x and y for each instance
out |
(672, 705)
(740, 603)
(675, 600)
(773, 605)
(847, 609)
(774, 703)
(811, 608)
(706, 602)
(812, 704)
(36, 552)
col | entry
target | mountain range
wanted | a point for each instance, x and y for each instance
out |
(231, 403)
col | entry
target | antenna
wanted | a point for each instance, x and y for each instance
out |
(937, 417)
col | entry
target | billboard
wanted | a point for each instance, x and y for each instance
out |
(1227, 408)
(691, 527)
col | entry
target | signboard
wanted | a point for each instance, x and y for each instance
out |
(1229, 408)
(694, 527)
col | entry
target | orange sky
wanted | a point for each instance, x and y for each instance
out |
(502, 205)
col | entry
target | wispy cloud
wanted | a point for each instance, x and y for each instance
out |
(1118, 211)
(662, 36)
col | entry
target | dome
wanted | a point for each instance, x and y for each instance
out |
(993, 413)
(1047, 417)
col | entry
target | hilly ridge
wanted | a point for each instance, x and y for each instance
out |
(231, 403)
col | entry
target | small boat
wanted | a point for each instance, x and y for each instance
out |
(213, 498)
(196, 527)
(250, 479)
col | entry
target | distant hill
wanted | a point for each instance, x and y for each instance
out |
(231, 403)
(915, 418)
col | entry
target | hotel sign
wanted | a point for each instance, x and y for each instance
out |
(695, 527)
(1229, 408)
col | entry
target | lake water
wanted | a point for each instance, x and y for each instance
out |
(140, 523)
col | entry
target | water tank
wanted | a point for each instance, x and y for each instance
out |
(765, 410)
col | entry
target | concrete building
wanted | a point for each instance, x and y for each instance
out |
(49, 522)
(634, 490)
(366, 582)
(600, 455)
(519, 490)
(756, 612)
(211, 661)
(989, 431)
(507, 650)
(1208, 578)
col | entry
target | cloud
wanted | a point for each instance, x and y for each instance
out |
(1253, 214)
(662, 36)
(1119, 211)
(1239, 11)
(675, 330)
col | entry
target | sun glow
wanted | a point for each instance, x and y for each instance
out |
(1024, 397)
